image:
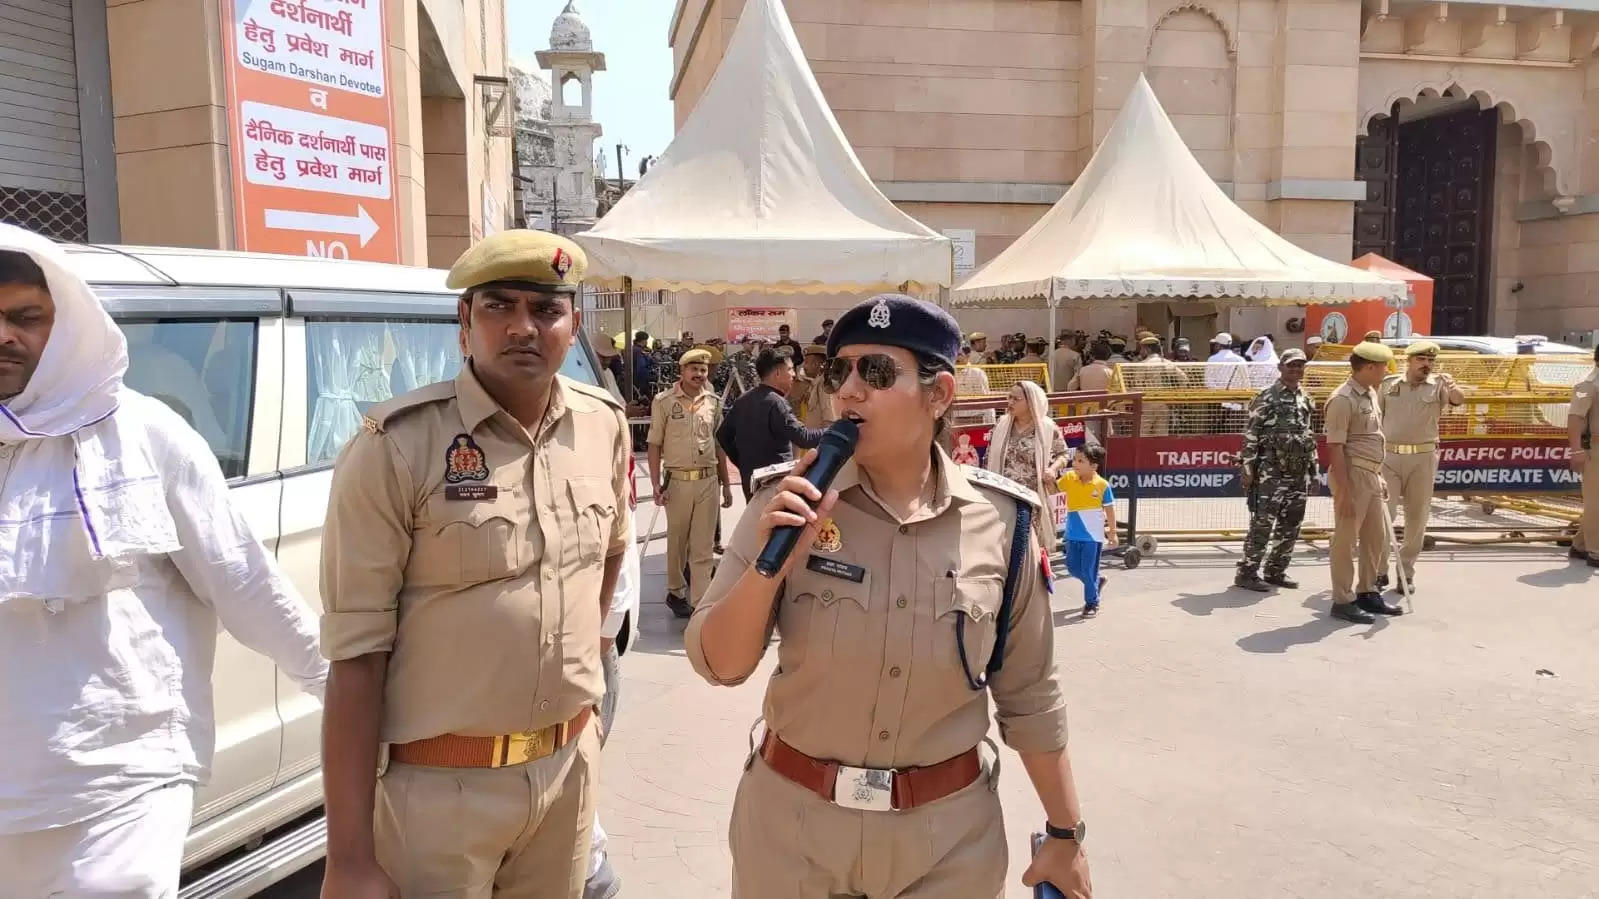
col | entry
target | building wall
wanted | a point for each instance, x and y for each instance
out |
(992, 108)
(169, 102)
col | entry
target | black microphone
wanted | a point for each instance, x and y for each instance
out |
(837, 445)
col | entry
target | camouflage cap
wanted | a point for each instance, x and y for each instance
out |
(520, 259)
(1289, 357)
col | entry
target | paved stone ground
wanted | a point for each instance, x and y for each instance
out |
(1229, 744)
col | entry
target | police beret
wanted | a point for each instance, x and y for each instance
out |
(520, 259)
(1291, 356)
(815, 349)
(1373, 352)
(893, 319)
(695, 355)
(1422, 348)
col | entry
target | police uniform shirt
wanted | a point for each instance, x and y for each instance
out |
(1410, 412)
(1355, 420)
(684, 427)
(1585, 402)
(868, 672)
(471, 549)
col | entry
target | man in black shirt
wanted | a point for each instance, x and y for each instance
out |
(759, 427)
(785, 339)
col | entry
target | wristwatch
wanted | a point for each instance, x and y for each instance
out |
(1075, 833)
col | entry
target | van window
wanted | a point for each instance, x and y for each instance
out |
(577, 365)
(353, 365)
(205, 370)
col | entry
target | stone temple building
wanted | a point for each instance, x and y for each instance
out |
(1459, 138)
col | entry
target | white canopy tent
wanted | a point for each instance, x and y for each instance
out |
(1144, 221)
(760, 191)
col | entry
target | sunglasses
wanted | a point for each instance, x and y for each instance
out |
(877, 370)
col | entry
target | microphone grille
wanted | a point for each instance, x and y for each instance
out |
(843, 432)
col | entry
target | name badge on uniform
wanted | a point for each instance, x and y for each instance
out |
(471, 493)
(835, 568)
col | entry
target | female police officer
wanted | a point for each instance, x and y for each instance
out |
(868, 780)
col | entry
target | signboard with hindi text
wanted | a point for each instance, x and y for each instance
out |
(757, 321)
(311, 128)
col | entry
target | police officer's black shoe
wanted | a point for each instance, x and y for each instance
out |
(1381, 583)
(1281, 580)
(1576, 553)
(1351, 611)
(1250, 581)
(1408, 585)
(1593, 561)
(679, 605)
(1376, 605)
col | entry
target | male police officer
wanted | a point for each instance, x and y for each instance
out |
(474, 535)
(1411, 404)
(1355, 453)
(683, 423)
(1582, 423)
(1279, 468)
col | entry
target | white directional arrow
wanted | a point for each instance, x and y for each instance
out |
(360, 224)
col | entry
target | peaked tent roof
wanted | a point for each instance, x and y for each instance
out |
(760, 191)
(1144, 220)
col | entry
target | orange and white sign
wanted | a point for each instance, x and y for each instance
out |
(757, 321)
(311, 125)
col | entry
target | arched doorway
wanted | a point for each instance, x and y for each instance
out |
(1429, 169)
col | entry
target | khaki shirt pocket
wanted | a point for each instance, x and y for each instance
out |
(594, 510)
(970, 604)
(463, 543)
(821, 617)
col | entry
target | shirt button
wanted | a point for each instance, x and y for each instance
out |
(883, 736)
(893, 672)
(827, 594)
(900, 602)
(904, 529)
(545, 704)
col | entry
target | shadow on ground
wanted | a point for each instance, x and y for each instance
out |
(1323, 625)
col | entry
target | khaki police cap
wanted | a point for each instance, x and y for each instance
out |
(1150, 340)
(1422, 348)
(695, 355)
(1372, 335)
(979, 335)
(521, 260)
(1373, 352)
(815, 349)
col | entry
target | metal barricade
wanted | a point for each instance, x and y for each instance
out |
(1001, 378)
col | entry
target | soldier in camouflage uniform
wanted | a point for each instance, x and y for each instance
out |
(1279, 469)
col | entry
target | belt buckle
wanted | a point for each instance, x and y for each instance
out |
(865, 789)
(519, 749)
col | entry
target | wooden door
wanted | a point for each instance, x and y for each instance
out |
(1444, 217)
(1375, 164)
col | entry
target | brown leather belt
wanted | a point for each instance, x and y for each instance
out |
(900, 790)
(1411, 449)
(456, 751)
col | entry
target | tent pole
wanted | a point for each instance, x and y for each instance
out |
(627, 336)
(1050, 336)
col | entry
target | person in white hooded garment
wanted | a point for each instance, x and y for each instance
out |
(120, 553)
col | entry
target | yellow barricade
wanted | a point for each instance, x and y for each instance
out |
(1001, 378)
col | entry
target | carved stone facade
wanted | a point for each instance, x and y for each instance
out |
(561, 194)
(977, 114)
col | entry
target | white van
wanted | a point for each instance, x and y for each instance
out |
(274, 360)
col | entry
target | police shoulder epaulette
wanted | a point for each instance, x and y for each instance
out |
(379, 417)
(763, 476)
(982, 477)
(589, 390)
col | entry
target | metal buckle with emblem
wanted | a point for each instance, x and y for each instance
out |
(519, 749)
(866, 789)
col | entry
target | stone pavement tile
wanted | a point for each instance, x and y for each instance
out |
(1229, 744)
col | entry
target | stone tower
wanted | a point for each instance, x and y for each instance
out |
(572, 62)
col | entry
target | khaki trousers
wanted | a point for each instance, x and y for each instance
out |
(1410, 483)
(519, 832)
(1587, 539)
(691, 510)
(1363, 529)
(789, 843)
